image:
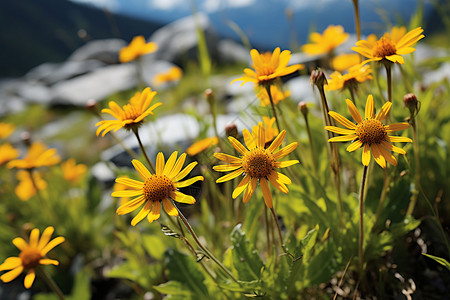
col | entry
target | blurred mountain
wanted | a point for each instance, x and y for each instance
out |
(33, 32)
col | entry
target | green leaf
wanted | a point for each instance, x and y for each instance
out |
(440, 260)
(183, 268)
(154, 246)
(245, 259)
(173, 288)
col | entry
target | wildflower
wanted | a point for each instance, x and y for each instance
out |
(131, 116)
(7, 153)
(136, 48)
(390, 47)
(276, 93)
(324, 43)
(344, 62)
(157, 188)
(268, 67)
(173, 74)
(38, 156)
(202, 145)
(257, 163)
(355, 75)
(370, 133)
(31, 255)
(270, 132)
(26, 187)
(6, 129)
(73, 172)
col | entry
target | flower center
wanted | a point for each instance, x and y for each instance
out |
(258, 163)
(371, 131)
(384, 47)
(30, 257)
(157, 188)
(130, 112)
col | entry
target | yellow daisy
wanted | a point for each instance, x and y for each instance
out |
(6, 129)
(389, 47)
(136, 48)
(173, 74)
(131, 116)
(344, 62)
(26, 189)
(7, 153)
(157, 188)
(38, 156)
(332, 37)
(369, 133)
(276, 93)
(268, 67)
(355, 75)
(202, 145)
(257, 164)
(73, 172)
(31, 255)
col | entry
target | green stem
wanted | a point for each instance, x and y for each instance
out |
(266, 218)
(51, 283)
(389, 80)
(273, 107)
(357, 23)
(205, 250)
(415, 193)
(313, 156)
(136, 133)
(361, 221)
(278, 226)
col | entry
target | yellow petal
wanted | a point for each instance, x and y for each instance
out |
(11, 275)
(366, 155)
(143, 212)
(127, 193)
(339, 130)
(227, 158)
(10, 263)
(266, 192)
(343, 120)
(181, 184)
(227, 168)
(251, 187)
(155, 212)
(344, 138)
(141, 169)
(182, 198)
(185, 172)
(159, 163)
(230, 176)
(237, 145)
(130, 182)
(170, 163)
(285, 151)
(354, 146)
(241, 186)
(377, 155)
(46, 261)
(20, 243)
(399, 139)
(384, 111)
(177, 167)
(29, 279)
(396, 127)
(52, 244)
(169, 208)
(130, 205)
(388, 156)
(277, 142)
(46, 236)
(391, 147)
(354, 111)
(369, 107)
(276, 182)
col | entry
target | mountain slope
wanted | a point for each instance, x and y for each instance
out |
(34, 32)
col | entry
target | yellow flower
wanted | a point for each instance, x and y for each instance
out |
(355, 75)
(25, 189)
(202, 145)
(131, 116)
(344, 62)
(31, 255)
(38, 156)
(257, 163)
(136, 48)
(173, 74)
(157, 188)
(270, 132)
(276, 93)
(324, 43)
(268, 67)
(370, 133)
(73, 172)
(6, 129)
(389, 47)
(7, 153)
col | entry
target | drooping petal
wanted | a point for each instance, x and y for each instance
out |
(169, 208)
(230, 176)
(155, 212)
(366, 155)
(251, 187)
(182, 198)
(378, 156)
(354, 146)
(11, 275)
(276, 182)
(130, 205)
(266, 192)
(343, 120)
(388, 156)
(391, 147)
(241, 186)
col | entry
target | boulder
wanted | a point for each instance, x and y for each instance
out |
(106, 51)
(97, 85)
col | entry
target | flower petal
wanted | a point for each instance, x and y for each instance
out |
(237, 145)
(169, 208)
(287, 163)
(130, 205)
(46, 261)
(10, 263)
(155, 212)
(241, 186)
(353, 111)
(343, 120)
(384, 111)
(366, 155)
(369, 108)
(141, 169)
(266, 192)
(388, 156)
(276, 182)
(343, 138)
(159, 163)
(354, 146)
(52, 244)
(396, 127)
(127, 193)
(170, 163)
(181, 184)
(285, 151)
(143, 212)
(398, 139)
(185, 172)
(251, 187)
(277, 142)
(34, 238)
(177, 167)
(182, 198)
(377, 155)
(29, 279)
(339, 130)
(228, 158)
(230, 176)
(391, 147)
(20, 243)
(46, 236)
(11, 275)
(249, 140)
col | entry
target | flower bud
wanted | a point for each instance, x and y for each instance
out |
(303, 107)
(318, 78)
(91, 105)
(231, 130)
(410, 101)
(209, 94)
